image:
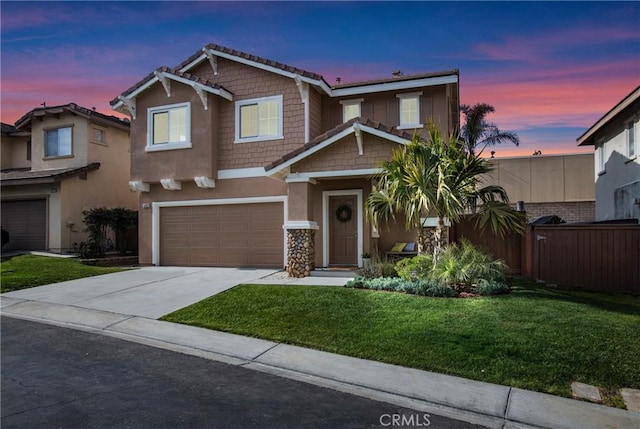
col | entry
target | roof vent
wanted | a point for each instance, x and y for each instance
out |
(396, 73)
(338, 80)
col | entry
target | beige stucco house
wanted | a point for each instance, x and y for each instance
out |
(56, 162)
(617, 162)
(245, 161)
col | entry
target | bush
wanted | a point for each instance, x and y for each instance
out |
(485, 287)
(395, 284)
(377, 269)
(418, 267)
(465, 264)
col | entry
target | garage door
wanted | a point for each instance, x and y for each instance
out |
(26, 222)
(238, 235)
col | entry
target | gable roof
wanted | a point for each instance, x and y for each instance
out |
(211, 51)
(173, 74)
(587, 138)
(89, 114)
(335, 134)
(25, 176)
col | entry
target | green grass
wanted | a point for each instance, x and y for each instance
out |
(27, 271)
(532, 338)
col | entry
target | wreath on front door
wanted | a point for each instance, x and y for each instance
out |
(343, 213)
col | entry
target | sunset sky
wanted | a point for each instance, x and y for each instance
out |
(551, 69)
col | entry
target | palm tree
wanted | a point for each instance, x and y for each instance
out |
(440, 176)
(477, 132)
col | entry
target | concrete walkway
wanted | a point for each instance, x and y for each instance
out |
(477, 402)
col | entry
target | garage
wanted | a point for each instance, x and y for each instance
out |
(26, 222)
(234, 235)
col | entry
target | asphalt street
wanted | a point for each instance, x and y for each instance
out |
(54, 377)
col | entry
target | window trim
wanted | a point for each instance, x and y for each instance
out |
(408, 126)
(170, 145)
(601, 158)
(257, 101)
(630, 129)
(351, 102)
(47, 130)
(104, 135)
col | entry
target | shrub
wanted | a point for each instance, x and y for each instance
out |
(464, 264)
(395, 284)
(377, 269)
(486, 287)
(418, 267)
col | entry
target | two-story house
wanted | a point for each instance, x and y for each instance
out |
(617, 162)
(244, 161)
(56, 162)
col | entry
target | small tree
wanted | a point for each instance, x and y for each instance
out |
(441, 176)
(121, 221)
(101, 221)
(478, 132)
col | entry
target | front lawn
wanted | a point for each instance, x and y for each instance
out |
(27, 271)
(532, 338)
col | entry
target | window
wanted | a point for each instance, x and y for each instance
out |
(58, 142)
(410, 110)
(351, 109)
(169, 127)
(29, 150)
(259, 119)
(631, 139)
(601, 157)
(98, 135)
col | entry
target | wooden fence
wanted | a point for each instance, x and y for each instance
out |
(589, 257)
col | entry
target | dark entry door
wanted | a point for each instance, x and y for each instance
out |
(343, 230)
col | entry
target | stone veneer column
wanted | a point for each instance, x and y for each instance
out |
(301, 252)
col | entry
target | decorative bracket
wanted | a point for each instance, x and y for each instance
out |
(131, 105)
(213, 60)
(303, 87)
(138, 186)
(204, 182)
(358, 132)
(164, 81)
(171, 184)
(203, 96)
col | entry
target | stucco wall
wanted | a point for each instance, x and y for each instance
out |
(14, 152)
(545, 179)
(619, 170)
(79, 139)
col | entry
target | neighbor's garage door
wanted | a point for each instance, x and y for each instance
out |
(238, 235)
(26, 222)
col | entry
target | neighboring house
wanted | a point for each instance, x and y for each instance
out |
(617, 162)
(244, 161)
(559, 185)
(56, 162)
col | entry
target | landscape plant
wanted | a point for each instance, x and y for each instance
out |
(100, 223)
(478, 132)
(440, 176)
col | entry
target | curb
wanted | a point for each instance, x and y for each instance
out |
(476, 402)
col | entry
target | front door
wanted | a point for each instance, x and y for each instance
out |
(343, 230)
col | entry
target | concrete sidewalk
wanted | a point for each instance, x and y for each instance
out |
(477, 402)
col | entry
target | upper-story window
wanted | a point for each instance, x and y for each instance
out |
(98, 135)
(409, 110)
(58, 142)
(169, 127)
(631, 139)
(351, 109)
(259, 119)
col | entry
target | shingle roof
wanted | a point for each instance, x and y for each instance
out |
(175, 72)
(26, 175)
(7, 128)
(334, 131)
(73, 107)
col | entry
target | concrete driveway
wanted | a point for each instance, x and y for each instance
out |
(147, 292)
